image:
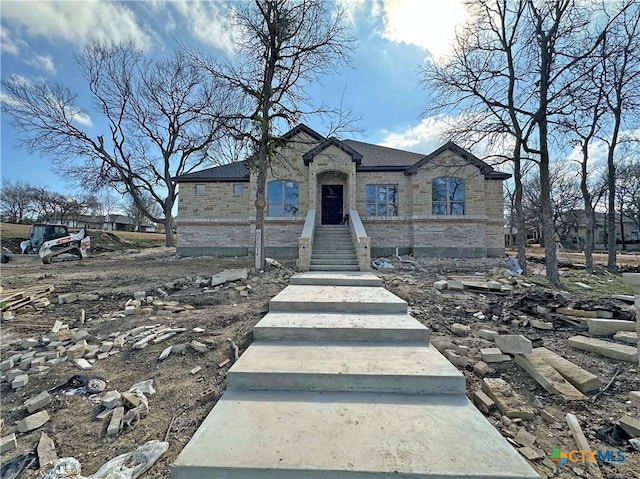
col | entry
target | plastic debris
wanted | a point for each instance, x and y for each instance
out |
(272, 262)
(132, 464)
(13, 469)
(144, 387)
(513, 265)
(125, 466)
(613, 435)
(381, 264)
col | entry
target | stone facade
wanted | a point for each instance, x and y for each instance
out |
(218, 216)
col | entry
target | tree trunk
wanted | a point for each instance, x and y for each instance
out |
(589, 215)
(624, 246)
(521, 236)
(261, 202)
(168, 228)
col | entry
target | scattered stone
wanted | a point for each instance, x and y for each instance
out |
(513, 344)
(29, 343)
(78, 350)
(483, 402)
(198, 330)
(115, 424)
(37, 402)
(510, 403)
(130, 310)
(543, 310)
(487, 334)
(165, 353)
(12, 374)
(82, 364)
(197, 346)
(481, 369)
(112, 399)
(88, 297)
(46, 451)
(578, 313)
(541, 324)
(456, 359)
(525, 438)
(608, 327)
(130, 399)
(631, 425)
(33, 421)
(6, 364)
(20, 381)
(442, 284)
(582, 285)
(459, 329)
(629, 337)
(92, 351)
(548, 378)
(635, 443)
(493, 355)
(455, 285)
(634, 396)
(547, 416)
(80, 335)
(196, 370)
(605, 348)
(531, 453)
(8, 443)
(229, 275)
(67, 298)
(140, 295)
(581, 379)
(222, 364)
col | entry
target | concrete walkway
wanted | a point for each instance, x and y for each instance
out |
(341, 383)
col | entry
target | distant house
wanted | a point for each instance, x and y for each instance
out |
(574, 233)
(446, 203)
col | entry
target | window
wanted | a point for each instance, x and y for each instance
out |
(382, 200)
(282, 198)
(200, 189)
(238, 188)
(447, 196)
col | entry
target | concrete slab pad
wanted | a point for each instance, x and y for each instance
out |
(340, 327)
(337, 299)
(347, 435)
(344, 278)
(355, 367)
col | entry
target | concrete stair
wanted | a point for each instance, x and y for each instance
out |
(341, 383)
(333, 249)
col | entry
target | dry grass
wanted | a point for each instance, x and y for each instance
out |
(10, 230)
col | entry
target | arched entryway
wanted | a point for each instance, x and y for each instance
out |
(332, 197)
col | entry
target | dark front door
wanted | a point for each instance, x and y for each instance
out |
(331, 204)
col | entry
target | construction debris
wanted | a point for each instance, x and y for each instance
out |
(605, 348)
(14, 299)
(548, 377)
(582, 443)
(46, 451)
(582, 380)
(509, 402)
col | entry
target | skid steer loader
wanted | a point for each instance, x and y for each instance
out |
(55, 243)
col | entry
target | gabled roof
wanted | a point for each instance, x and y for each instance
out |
(488, 172)
(309, 155)
(382, 156)
(236, 171)
(304, 129)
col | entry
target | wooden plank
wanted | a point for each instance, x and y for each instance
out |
(581, 379)
(510, 403)
(548, 378)
(605, 348)
(583, 444)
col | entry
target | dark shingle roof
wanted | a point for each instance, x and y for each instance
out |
(382, 156)
(236, 171)
(356, 156)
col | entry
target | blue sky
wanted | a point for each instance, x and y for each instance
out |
(40, 39)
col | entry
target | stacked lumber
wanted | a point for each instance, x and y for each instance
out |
(13, 299)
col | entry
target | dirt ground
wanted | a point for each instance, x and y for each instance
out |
(178, 407)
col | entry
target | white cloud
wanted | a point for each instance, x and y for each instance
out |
(81, 117)
(44, 62)
(76, 22)
(424, 137)
(426, 24)
(209, 22)
(8, 43)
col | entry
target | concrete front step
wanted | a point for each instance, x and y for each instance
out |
(334, 267)
(337, 299)
(329, 261)
(345, 367)
(335, 254)
(340, 327)
(289, 435)
(338, 279)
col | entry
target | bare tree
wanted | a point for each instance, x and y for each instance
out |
(163, 118)
(621, 64)
(137, 214)
(283, 47)
(106, 201)
(17, 201)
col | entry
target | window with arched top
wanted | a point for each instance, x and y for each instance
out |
(282, 198)
(447, 196)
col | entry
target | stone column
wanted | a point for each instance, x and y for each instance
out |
(634, 280)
